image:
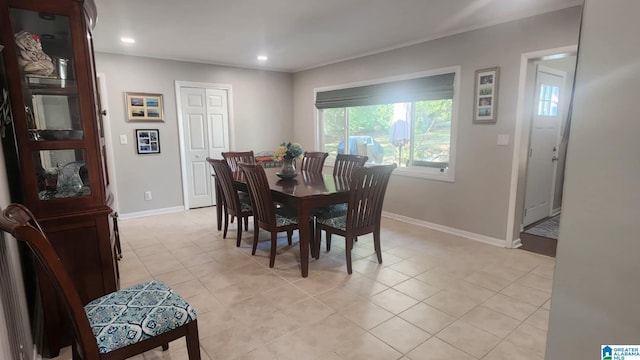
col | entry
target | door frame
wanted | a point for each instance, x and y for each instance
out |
(517, 182)
(231, 135)
(108, 140)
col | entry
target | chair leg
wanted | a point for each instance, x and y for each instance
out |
(226, 224)
(272, 254)
(317, 240)
(289, 236)
(376, 244)
(246, 223)
(193, 343)
(347, 250)
(256, 230)
(165, 347)
(328, 239)
(239, 234)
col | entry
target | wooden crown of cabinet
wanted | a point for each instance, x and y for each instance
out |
(52, 148)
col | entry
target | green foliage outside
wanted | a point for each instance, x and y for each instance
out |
(431, 129)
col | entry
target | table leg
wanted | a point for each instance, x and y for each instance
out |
(219, 204)
(304, 234)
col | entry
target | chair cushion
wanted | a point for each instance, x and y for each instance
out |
(286, 216)
(245, 204)
(137, 313)
(330, 211)
(338, 222)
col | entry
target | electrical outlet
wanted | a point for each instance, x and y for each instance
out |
(147, 195)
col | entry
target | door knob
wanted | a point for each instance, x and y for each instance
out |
(554, 158)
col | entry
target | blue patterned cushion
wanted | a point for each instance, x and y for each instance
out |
(338, 222)
(137, 313)
(286, 216)
(245, 205)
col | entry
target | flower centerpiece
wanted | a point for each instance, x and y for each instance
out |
(287, 152)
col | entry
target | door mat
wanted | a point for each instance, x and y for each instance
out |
(548, 228)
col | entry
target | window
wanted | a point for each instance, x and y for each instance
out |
(409, 122)
(548, 102)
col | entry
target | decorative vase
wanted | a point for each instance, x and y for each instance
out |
(289, 167)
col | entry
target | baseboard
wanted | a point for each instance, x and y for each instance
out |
(449, 230)
(517, 243)
(556, 211)
(140, 214)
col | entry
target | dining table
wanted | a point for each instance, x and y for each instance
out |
(304, 192)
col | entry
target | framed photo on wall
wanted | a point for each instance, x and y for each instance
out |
(144, 106)
(148, 141)
(486, 96)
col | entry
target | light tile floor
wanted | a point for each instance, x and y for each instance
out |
(437, 296)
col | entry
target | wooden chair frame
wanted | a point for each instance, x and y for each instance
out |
(18, 221)
(313, 161)
(364, 210)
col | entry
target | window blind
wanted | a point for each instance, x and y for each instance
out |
(436, 87)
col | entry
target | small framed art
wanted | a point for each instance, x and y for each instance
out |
(148, 141)
(144, 107)
(486, 96)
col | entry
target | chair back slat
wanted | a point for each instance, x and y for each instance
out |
(346, 163)
(313, 161)
(367, 189)
(227, 184)
(234, 158)
(18, 221)
(260, 194)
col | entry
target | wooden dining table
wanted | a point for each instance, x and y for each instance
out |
(304, 192)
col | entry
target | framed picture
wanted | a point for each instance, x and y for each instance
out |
(143, 106)
(485, 105)
(148, 141)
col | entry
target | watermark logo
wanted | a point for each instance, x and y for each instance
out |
(620, 352)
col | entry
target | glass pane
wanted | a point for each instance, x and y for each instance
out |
(333, 121)
(369, 130)
(61, 173)
(548, 102)
(50, 92)
(432, 133)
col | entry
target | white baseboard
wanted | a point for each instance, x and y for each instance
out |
(556, 211)
(517, 243)
(446, 229)
(140, 214)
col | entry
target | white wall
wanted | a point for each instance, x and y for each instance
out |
(596, 288)
(261, 119)
(478, 200)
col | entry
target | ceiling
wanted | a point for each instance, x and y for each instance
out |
(295, 34)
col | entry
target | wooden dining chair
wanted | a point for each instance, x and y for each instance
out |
(266, 214)
(118, 325)
(364, 210)
(346, 163)
(343, 168)
(313, 161)
(235, 206)
(234, 158)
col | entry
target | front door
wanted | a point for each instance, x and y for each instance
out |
(205, 129)
(543, 144)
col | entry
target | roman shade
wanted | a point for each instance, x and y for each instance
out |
(436, 87)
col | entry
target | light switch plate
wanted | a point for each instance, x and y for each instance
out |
(123, 140)
(503, 140)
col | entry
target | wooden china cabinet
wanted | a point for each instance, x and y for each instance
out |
(53, 151)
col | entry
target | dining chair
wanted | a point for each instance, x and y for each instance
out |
(118, 325)
(266, 215)
(343, 167)
(235, 206)
(364, 210)
(313, 161)
(233, 158)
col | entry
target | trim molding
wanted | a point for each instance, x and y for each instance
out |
(446, 229)
(140, 214)
(517, 243)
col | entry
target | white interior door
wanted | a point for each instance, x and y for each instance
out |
(205, 134)
(543, 144)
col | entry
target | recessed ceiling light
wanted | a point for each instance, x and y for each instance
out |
(128, 40)
(262, 58)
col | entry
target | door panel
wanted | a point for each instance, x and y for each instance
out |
(543, 144)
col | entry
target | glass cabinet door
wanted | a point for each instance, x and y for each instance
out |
(61, 173)
(43, 43)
